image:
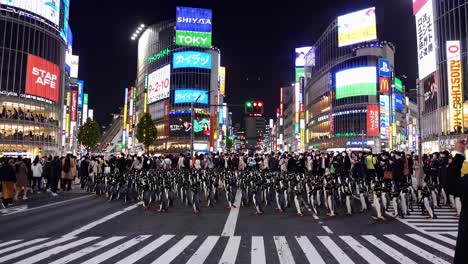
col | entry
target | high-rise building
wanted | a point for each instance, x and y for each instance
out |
(34, 40)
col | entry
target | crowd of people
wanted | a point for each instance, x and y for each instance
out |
(29, 135)
(28, 115)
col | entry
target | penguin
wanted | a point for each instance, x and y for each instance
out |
(348, 197)
(377, 192)
(458, 206)
(278, 199)
(256, 198)
(195, 199)
(146, 197)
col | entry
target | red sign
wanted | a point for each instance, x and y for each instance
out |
(42, 78)
(417, 5)
(74, 103)
(384, 85)
(373, 120)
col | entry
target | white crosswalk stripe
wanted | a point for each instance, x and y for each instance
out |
(347, 249)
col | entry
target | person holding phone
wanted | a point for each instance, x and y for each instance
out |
(458, 186)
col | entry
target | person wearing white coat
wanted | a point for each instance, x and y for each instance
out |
(36, 168)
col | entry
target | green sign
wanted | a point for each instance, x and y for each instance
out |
(299, 73)
(85, 98)
(398, 85)
(146, 82)
(349, 134)
(163, 53)
(135, 94)
(196, 39)
(356, 89)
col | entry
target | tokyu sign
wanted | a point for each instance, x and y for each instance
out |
(454, 78)
(196, 39)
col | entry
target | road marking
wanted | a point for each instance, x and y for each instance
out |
(230, 252)
(204, 250)
(73, 256)
(48, 253)
(102, 220)
(231, 221)
(309, 250)
(48, 205)
(284, 252)
(116, 250)
(336, 251)
(393, 253)
(438, 224)
(416, 250)
(27, 243)
(14, 209)
(146, 250)
(315, 217)
(258, 250)
(432, 220)
(172, 253)
(327, 229)
(444, 228)
(362, 251)
(32, 249)
(10, 242)
(433, 244)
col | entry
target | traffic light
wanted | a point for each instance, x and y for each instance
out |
(248, 107)
(254, 107)
(258, 107)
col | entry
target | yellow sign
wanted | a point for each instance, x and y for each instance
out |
(222, 80)
(455, 84)
(125, 117)
(145, 103)
(357, 27)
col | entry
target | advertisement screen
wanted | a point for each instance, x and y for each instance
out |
(426, 40)
(80, 93)
(48, 9)
(64, 14)
(356, 82)
(300, 56)
(310, 57)
(384, 85)
(42, 78)
(399, 101)
(159, 84)
(430, 93)
(222, 80)
(74, 62)
(384, 68)
(184, 96)
(195, 39)
(384, 117)
(455, 84)
(191, 59)
(299, 73)
(180, 126)
(398, 85)
(193, 19)
(74, 102)
(357, 27)
(373, 120)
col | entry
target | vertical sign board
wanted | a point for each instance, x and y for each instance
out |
(85, 107)
(193, 26)
(384, 68)
(426, 40)
(454, 77)
(372, 120)
(130, 112)
(80, 93)
(222, 81)
(384, 116)
(74, 102)
(67, 115)
(125, 109)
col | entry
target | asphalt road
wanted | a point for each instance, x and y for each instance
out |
(78, 227)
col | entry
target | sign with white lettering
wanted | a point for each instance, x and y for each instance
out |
(455, 84)
(191, 59)
(196, 39)
(426, 40)
(42, 78)
(193, 19)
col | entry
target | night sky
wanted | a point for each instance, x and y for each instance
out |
(256, 38)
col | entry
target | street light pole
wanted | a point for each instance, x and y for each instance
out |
(419, 103)
(192, 117)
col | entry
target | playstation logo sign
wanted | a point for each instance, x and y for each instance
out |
(384, 68)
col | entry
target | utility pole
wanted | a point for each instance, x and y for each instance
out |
(192, 117)
(419, 103)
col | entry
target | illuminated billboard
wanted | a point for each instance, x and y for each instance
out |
(384, 68)
(425, 36)
(360, 81)
(300, 56)
(180, 126)
(299, 74)
(183, 96)
(191, 59)
(42, 78)
(193, 26)
(455, 85)
(159, 84)
(222, 80)
(74, 63)
(357, 27)
(195, 39)
(399, 105)
(74, 102)
(373, 120)
(384, 85)
(384, 116)
(80, 93)
(48, 9)
(417, 4)
(430, 93)
(398, 85)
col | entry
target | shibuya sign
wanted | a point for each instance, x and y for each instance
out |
(196, 39)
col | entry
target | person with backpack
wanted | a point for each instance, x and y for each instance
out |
(68, 172)
(36, 168)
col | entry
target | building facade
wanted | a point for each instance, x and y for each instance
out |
(32, 77)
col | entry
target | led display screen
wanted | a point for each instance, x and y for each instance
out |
(180, 126)
(191, 59)
(183, 96)
(193, 19)
(222, 80)
(357, 27)
(425, 36)
(300, 56)
(384, 116)
(399, 101)
(195, 39)
(372, 119)
(80, 93)
(48, 9)
(384, 68)
(42, 78)
(360, 81)
(159, 84)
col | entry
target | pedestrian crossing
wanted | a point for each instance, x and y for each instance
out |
(375, 249)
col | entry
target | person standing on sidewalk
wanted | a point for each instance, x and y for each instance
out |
(458, 186)
(36, 168)
(68, 172)
(8, 179)
(55, 174)
(22, 181)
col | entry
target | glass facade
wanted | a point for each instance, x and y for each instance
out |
(29, 122)
(171, 115)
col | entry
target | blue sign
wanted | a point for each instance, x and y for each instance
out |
(191, 59)
(398, 101)
(184, 96)
(193, 19)
(384, 68)
(80, 93)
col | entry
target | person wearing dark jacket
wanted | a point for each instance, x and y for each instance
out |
(397, 170)
(8, 179)
(55, 175)
(84, 171)
(458, 186)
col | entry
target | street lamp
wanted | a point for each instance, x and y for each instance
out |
(192, 134)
